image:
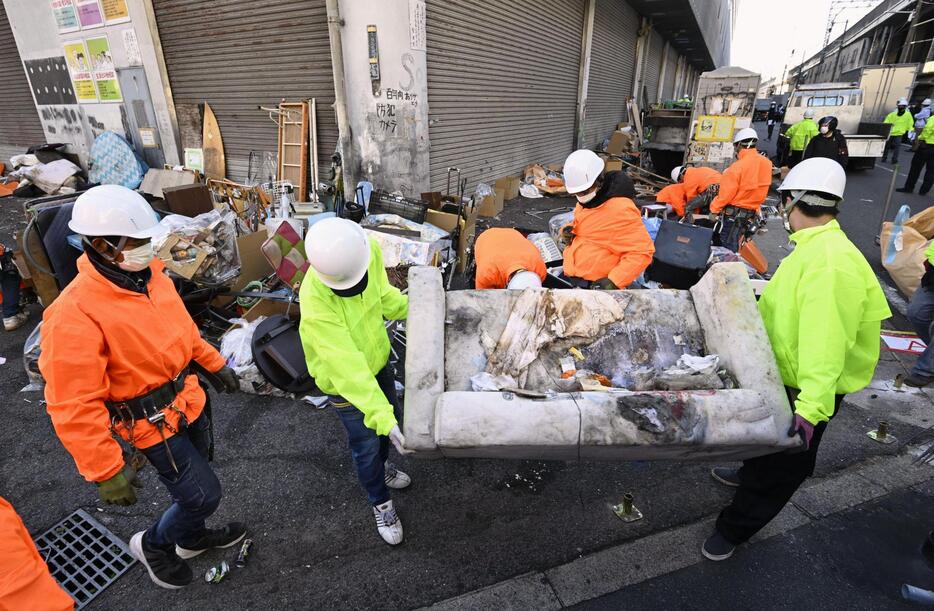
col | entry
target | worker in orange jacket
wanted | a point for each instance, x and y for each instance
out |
(689, 184)
(507, 259)
(744, 186)
(610, 246)
(117, 351)
(25, 582)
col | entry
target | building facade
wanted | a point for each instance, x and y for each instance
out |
(403, 92)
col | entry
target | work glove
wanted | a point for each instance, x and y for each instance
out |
(117, 490)
(566, 236)
(398, 440)
(803, 429)
(604, 284)
(229, 377)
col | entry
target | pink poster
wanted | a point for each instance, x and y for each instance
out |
(89, 13)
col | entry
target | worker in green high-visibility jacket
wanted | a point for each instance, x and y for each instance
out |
(822, 311)
(902, 122)
(799, 135)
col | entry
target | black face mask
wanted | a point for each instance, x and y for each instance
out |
(901, 111)
(355, 289)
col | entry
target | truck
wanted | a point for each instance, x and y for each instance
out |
(860, 107)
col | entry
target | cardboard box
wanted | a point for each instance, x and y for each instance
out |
(620, 142)
(188, 200)
(555, 167)
(491, 205)
(468, 230)
(611, 165)
(510, 186)
(253, 264)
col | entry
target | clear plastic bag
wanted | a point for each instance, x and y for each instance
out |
(31, 351)
(558, 221)
(483, 190)
(237, 344)
(202, 249)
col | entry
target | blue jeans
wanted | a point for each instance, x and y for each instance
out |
(195, 490)
(9, 286)
(921, 315)
(368, 449)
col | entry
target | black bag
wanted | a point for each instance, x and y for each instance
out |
(681, 254)
(279, 355)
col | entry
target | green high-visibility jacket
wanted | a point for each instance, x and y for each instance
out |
(927, 134)
(801, 133)
(823, 310)
(901, 125)
(345, 339)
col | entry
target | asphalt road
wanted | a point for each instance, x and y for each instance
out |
(287, 473)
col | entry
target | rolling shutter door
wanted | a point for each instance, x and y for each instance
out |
(668, 87)
(502, 85)
(240, 54)
(19, 121)
(612, 64)
(653, 65)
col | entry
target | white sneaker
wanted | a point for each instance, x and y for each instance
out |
(396, 479)
(15, 322)
(388, 523)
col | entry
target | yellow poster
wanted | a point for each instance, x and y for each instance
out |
(115, 11)
(715, 128)
(79, 67)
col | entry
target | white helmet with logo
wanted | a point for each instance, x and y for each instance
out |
(339, 252)
(524, 280)
(581, 170)
(112, 210)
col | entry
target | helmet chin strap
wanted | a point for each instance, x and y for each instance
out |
(786, 210)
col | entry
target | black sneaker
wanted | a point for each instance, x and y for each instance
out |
(227, 536)
(726, 476)
(165, 568)
(717, 548)
(905, 190)
(918, 381)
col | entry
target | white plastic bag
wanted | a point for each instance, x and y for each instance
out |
(529, 191)
(237, 344)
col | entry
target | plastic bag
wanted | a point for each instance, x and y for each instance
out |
(546, 246)
(202, 249)
(483, 190)
(529, 191)
(427, 231)
(558, 221)
(31, 352)
(237, 344)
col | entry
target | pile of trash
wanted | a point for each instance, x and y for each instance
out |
(538, 179)
(405, 242)
(202, 249)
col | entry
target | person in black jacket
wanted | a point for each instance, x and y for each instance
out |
(830, 143)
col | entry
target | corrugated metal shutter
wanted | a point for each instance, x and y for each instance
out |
(502, 84)
(612, 64)
(668, 87)
(240, 54)
(19, 121)
(653, 65)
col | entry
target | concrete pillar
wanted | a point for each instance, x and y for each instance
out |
(387, 101)
(132, 44)
(663, 74)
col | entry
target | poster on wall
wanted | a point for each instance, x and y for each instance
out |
(131, 48)
(79, 67)
(65, 16)
(102, 66)
(115, 11)
(89, 13)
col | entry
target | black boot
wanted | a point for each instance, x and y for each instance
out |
(165, 568)
(905, 190)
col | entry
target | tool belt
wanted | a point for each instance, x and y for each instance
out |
(739, 214)
(150, 406)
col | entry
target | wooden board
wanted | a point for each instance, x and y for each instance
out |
(293, 146)
(215, 165)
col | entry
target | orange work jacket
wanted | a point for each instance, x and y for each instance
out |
(745, 183)
(25, 582)
(500, 253)
(103, 343)
(610, 241)
(695, 182)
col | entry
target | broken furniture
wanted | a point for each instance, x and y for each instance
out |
(457, 331)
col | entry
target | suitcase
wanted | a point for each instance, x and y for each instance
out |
(681, 254)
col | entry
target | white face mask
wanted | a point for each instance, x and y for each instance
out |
(587, 197)
(824, 129)
(137, 259)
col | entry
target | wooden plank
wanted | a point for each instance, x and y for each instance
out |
(215, 164)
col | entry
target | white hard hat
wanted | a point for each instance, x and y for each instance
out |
(747, 133)
(581, 170)
(816, 174)
(524, 280)
(808, 114)
(676, 173)
(112, 210)
(339, 252)
(926, 102)
(902, 102)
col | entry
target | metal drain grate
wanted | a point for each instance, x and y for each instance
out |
(83, 556)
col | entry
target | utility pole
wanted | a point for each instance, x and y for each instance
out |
(836, 63)
(781, 84)
(909, 38)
